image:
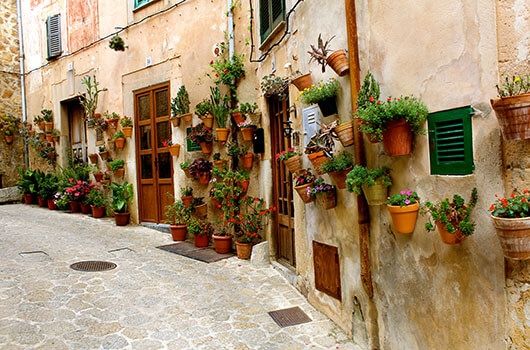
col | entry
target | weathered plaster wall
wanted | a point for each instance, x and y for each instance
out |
(11, 156)
(513, 28)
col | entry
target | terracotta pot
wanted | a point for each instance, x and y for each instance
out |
(514, 235)
(98, 212)
(187, 201)
(244, 186)
(42, 202)
(513, 114)
(42, 125)
(243, 250)
(206, 148)
(222, 134)
(51, 204)
(85, 208)
(344, 132)
(49, 138)
(119, 173)
(247, 133)
(338, 61)
(187, 173)
(215, 203)
(247, 161)
(119, 142)
(175, 122)
(328, 107)
(208, 121)
(449, 238)
(201, 241)
(222, 244)
(113, 123)
(178, 232)
(294, 164)
(398, 138)
(97, 115)
(104, 155)
(56, 138)
(98, 176)
(93, 158)
(122, 219)
(318, 159)
(48, 127)
(127, 131)
(201, 211)
(9, 139)
(303, 82)
(174, 150)
(28, 198)
(302, 192)
(74, 206)
(204, 178)
(220, 164)
(376, 194)
(328, 200)
(187, 118)
(339, 177)
(404, 218)
(238, 117)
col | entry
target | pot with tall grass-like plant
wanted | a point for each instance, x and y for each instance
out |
(373, 182)
(338, 166)
(220, 110)
(324, 94)
(180, 107)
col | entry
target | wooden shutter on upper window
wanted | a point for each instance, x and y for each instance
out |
(272, 13)
(53, 30)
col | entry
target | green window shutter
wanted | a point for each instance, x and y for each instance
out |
(138, 3)
(190, 145)
(451, 142)
(53, 34)
(272, 13)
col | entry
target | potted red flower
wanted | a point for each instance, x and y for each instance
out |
(77, 193)
(174, 149)
(291, 159)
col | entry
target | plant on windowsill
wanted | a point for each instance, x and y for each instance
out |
(324, 94)
(119, 139)
(180, 107)
(291, 158)
(403, 208)
(116, 43)
(201, 170)
(177, 216)
(204, 111)
(513, 107)
(452, 218)
(202, 230)
(320, 146)
(174, 149)
(185, 166)
(202, 136)
(303, 180)
(186, 195)
(126, 126)
(338, 167)
(98, 202)
(373, 182)
(272, 85)
(220, 110)
(337, 60)
(122, 195)
(118, 168)
(325, 194)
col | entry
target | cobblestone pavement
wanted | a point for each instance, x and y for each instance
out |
(152, 300)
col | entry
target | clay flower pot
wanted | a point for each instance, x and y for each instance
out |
(93, 158)
(247, 133)
(244, 186)
(294, 164)
(328, 107)
(201, 211)
(238, 117)
(119, 173)
(49, 138)
(338, 61)
(104, 155)
(344, 132)
(222, 134)
(339, 177)
(122, 219)
(75, 207)
(398, 138)
(404, 218)
(127, 131)
(317, 159)
(247, 161)
(514, 235)
(187, 118)
(98, 212)
(220, 164)
(222, 244)
(113, 123)
(42, 202)
(98, 176)
(51, 204)
(178, 232)
(9, 139)
(174, 150)
(513, 114)
(303, 82)
(208, 121)
(41, 125)
(375, 194)
(449, 238)
(85, 208)
(327, 200)
(243, 250)
(302, 192)
(201, 241)
(204, 178)
(48, 127)
(119, 142)
(175, 121)
(206, 148)
(187, 200)
(28, 198)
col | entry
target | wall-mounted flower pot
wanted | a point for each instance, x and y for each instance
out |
(243, 250)
(338, 61)
(75, 207)
(119, 173)
(327, 200)
(174, 150)
(294, 164)
(178, 232)
(222, 134)
(318, 159)
(302, 192)
(375, 194)
(9, 139)
(204, 178)
(303, 82)
(49, 138)
(175, 121)
(220, 164)
(215, 203)
(208, 121)
(513, 114)
(404, 218)
(244, 186)
(113, 123)
(127, 131)
(202, 241)
(41, 125)
(51, 204)
(339, 177)
(247, 161)
(98, 176)
(328, 107)
(201, 211)
(122, 219)
(344, 132)
(449, 238)
(48, 126)
(187, 200)
(247, 133)
(398, 138)
(119, 142)
(187, 118)
(98, 212)
(514, 235)
(222, 244)
(206, 148)
(104, 155)
(238, 117)
(86, 209)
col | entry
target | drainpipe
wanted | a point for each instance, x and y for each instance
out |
(362, 206)
(231, 44)
(22, 78)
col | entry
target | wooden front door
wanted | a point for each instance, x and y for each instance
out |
(154, 163)
(282, 185)
(77, 131)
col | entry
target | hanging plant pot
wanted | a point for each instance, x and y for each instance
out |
(48, 127)
(51, 204)
(344, 132)
(119, 173)
(187, 200)
(119, 142)
(302, 192)
(42, 125)
(175, 121)
(327, 200)
(376, 194)
(222, 244)
(113, 123)
(247, 133)
(318, 159)
(339, 177)
(303, 82)
(127, 131)
(98, 212)
(204, 178)
(122, 219)
(174, 150)
(244, 186)
(243, 250)
(513, 114)
(86, 209)
(206, 148)
(398, 138)
(328, 106)
(187, 118)
(49, 138)
(447, 237)
(28, 198)
(187, 173)
(97, 115)
(514, 235)
(338, 61)
(74, 206)
(238, 117)
(98, 176)
(178, 232)
(247, 161)
(201, 241)
(208, 121)
(404, 218)
(294, 164)
(220, 164)
(201, 211)
(222, 134)
(104, 155)
(9, 139)
(215, 203)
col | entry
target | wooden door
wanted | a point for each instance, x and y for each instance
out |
(77, 131)
(154, 162)
(282, 185)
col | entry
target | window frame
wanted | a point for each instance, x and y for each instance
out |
(274, 24)
(139, 4)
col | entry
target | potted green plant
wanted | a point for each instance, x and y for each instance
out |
(248, 109)
(119, 139)
(185, 166)
(244, 180)
(320, 146)
(403, 208)
(204, 111)
(47, 116)
(291, 158)
(27, 184)
(98, 201)
(452, 218)
(9, 125)
(38, 120)
(174, 148)
(122, 195)
(511, 218)
(228, 70)
(338, 166)
(247, 130)
(302, 182)
(323, 94)
(201, 230)
(272, 85)
(201, 170)
(325, 194)
(302, 81)
(112, 120)
(118, 167)
(126, 126)
(180, 107)
(103, 153)
(222, 240)
(200, 208)
(177, 216)
(116, 43)
(48, 186)
(202, 136)
(220, 110)
(186, 195)
(56, 135)
(373, 182)
(513, 107)
(337, 60)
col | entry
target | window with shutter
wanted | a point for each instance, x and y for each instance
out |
(451, 142)
(272, 13)
(139, 3)
(53, 31)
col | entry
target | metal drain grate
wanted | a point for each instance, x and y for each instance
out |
(289, 317)
(92, 266)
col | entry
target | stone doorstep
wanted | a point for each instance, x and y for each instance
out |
(9, 195)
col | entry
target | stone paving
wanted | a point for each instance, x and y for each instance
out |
(152, 300)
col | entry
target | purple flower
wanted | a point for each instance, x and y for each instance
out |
(407, 202)
(403, 192)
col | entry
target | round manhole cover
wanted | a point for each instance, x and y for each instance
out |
(92, 266)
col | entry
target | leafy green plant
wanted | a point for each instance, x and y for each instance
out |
(118, 135)
(203, 108)
(319, 53)
(116, 164)
(27, 182)
(403, 198)
(126, 122)
(517, 205)
(453, 215)
(320, 92)
(9, 124)
(185, 165)
(122, 195)
(116, 43)
(186, 191)
(338, 162)
(89, 101)
(361, 175)
(248, 108)
(251, 219)
(219, 106)
(514, 85)
(228, 70)
(272, 85)
(47, 115)
(97, 198)
(198, 227)
(177, 213)
(48, 186)
(180, 105)
(370, 90)
(235, 150)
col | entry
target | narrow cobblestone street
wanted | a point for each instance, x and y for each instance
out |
(152, 300)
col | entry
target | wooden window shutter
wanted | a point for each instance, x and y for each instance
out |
(53, 30)
(451, 142)
(327, 269)
(272, 13)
